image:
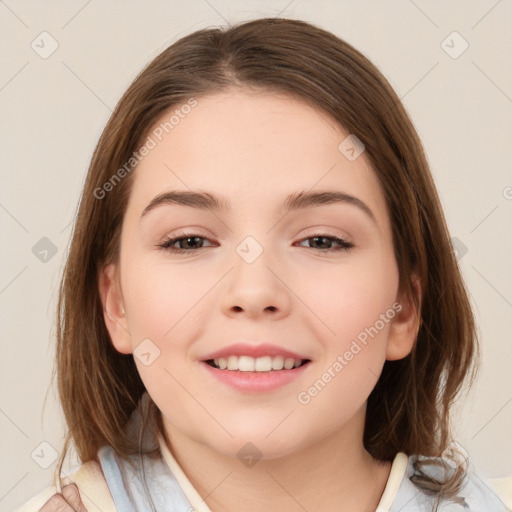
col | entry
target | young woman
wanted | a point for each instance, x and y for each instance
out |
(261, 308)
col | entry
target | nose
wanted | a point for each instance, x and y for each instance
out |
(256, 290)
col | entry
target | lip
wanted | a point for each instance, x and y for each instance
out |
(255, 382)
(251, 350)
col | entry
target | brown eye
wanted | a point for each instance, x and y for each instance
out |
(188, 243)
(325, 243)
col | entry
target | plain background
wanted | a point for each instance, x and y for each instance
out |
(54, 109)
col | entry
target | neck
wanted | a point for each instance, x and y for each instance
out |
(334, 474)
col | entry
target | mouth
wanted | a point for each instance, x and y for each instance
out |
(265, 364)
(256, 368)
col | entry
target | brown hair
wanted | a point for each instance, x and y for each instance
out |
(408, 410)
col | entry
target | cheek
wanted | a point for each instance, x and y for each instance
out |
(164, 302)
(161, 298)
(356, 302)
(345, 299)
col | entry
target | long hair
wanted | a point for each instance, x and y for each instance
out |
(408, 410)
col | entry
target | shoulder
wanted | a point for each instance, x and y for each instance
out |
(91, 483)
(475, 494)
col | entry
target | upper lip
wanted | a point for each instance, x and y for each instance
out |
(244, 349)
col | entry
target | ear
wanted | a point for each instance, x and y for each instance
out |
(113, 309)
(405, 326)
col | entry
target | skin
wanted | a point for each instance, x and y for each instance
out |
(255, 148)
(68, 501)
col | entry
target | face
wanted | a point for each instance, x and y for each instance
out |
(315, 283)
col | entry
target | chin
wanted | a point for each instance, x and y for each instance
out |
(260, 441)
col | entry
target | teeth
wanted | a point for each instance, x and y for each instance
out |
(259, 364)
(288, 364)
(232, 363)
(262, 364)
(246, 364)
(278, 363)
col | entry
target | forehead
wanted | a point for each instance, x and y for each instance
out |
(253, 147)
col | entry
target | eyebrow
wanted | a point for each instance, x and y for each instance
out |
(296, 201)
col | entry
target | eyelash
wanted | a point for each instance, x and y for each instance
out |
(167, 244)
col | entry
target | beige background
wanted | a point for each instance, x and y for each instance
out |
(53, 111)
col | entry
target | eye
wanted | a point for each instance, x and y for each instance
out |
(323, 240)
(191, 243)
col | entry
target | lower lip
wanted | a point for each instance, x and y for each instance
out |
(256, 382)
